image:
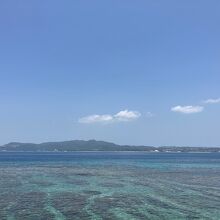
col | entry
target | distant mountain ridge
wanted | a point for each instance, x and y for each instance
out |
(93, 145)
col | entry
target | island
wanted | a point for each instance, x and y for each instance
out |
(94, 145)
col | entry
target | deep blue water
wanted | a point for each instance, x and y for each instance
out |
(78, 156)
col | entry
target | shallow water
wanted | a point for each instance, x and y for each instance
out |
(107, 185)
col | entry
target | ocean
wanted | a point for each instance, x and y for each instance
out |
(109, 185)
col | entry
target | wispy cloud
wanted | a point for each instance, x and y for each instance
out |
(212, 101)
(187, 109)
(124, 115)
(95, 118)
(149, 115)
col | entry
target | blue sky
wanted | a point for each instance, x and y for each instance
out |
(131, 72)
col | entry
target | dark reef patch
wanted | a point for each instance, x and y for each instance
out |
(71, 205)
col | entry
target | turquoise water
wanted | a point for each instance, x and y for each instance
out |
(64, 186)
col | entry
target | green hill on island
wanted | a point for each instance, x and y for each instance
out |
(93, 145)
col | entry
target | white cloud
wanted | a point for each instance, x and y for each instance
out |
(120, 116)
(187, 109)
(95, 118)
(212, 101)
(126, 115)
